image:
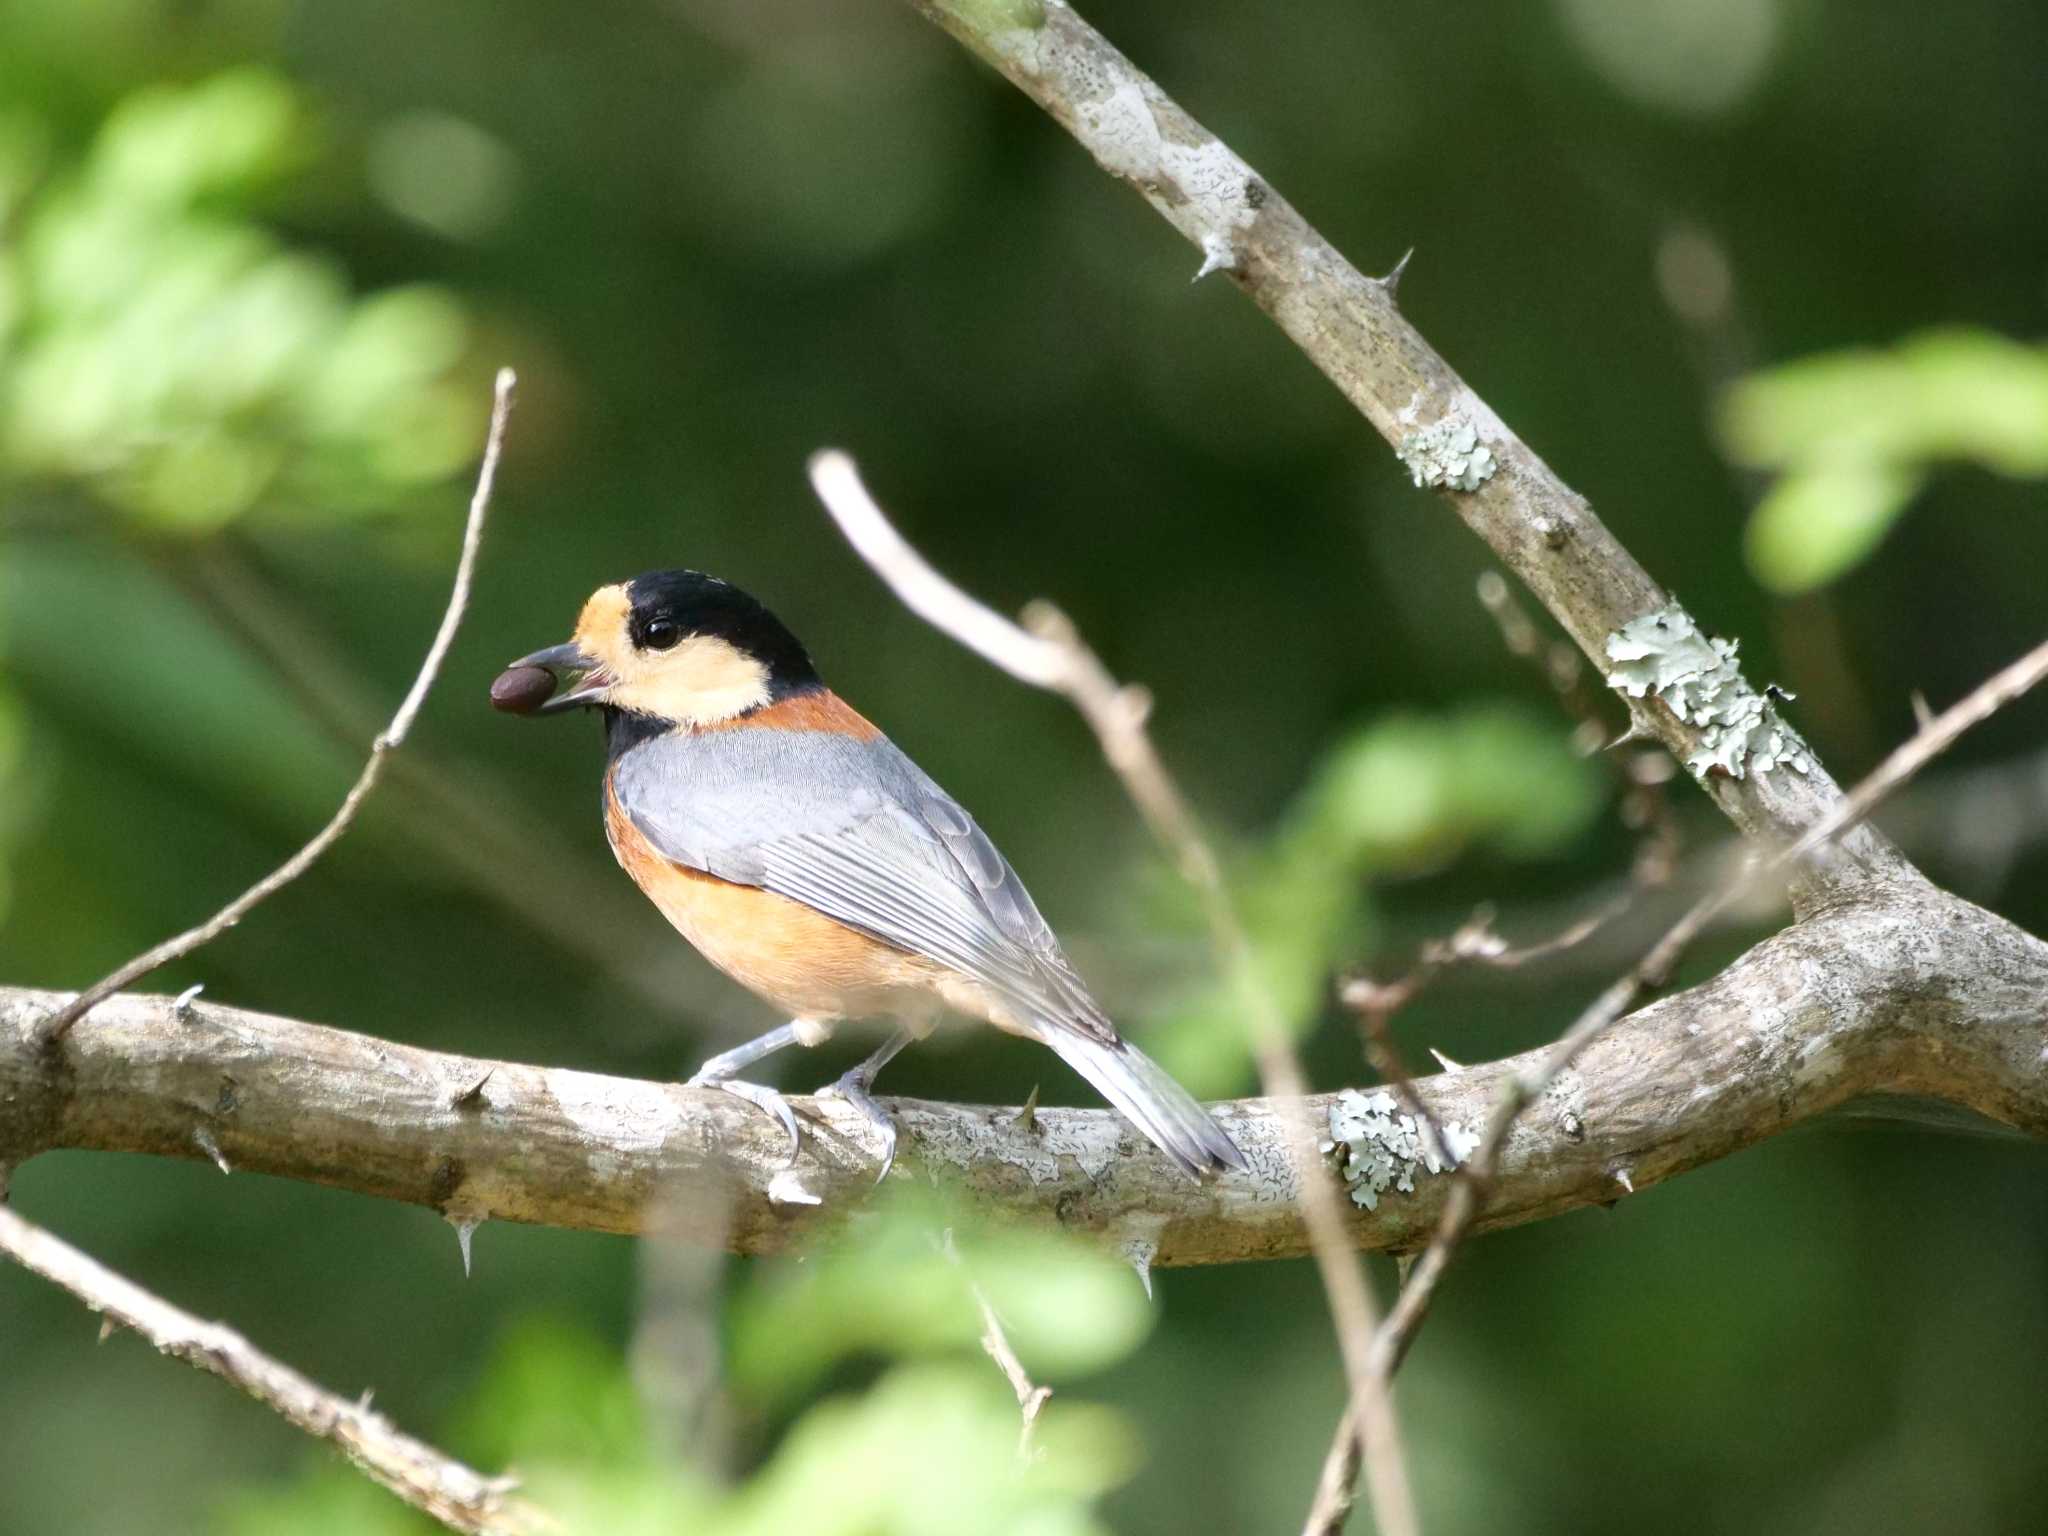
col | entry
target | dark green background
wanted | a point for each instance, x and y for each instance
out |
(736, 233)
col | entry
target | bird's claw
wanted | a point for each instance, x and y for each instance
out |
(765, 1099)
(853, 1088)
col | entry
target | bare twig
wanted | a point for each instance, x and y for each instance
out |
(1933, 738)
(1476, 943)
(1031, 1398)
(1644, 809)
(1337, 1484)
(393, 736)
(470, 825)
(1050, 653)
(432, 1482)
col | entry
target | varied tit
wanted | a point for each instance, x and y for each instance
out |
(811, 861)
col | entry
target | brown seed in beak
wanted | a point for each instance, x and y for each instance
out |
(522, 690)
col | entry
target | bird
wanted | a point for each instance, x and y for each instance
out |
(810, 860)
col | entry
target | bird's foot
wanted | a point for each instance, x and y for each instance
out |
(853, 1088)
(765, 1099)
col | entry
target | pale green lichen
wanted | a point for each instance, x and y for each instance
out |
(1448, 453)
(1664, 653)
(1385, 1148)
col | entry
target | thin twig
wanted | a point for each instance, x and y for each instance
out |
(470, 824)
(1049, 653)
(1644, 809)
(456, 1495)
(1926, 744)
(1031, 1398)
(393, 736)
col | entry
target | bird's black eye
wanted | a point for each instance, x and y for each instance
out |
(660, 635)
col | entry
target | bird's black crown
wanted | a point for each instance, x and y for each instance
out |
(696, 604)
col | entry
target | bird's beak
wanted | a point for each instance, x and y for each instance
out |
(583, 679)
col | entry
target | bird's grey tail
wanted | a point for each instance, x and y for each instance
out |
(1150, 1099)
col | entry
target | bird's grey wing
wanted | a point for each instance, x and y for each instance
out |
(855, 830)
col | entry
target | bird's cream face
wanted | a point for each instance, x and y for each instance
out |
(652, 668)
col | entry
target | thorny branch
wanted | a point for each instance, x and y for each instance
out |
(459, 1497)
(1052, 655)
(388, 741)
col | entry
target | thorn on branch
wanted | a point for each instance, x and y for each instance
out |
(204, 1140)
(1218, 255)
(465, 1220)
(1391, 283)
(471, 1097)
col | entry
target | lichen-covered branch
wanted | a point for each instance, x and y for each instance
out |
(1351, 328)
(1920, 994)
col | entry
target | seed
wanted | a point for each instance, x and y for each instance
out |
(522, 690)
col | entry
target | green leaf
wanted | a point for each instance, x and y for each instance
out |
(1409, 790)
(232, 133)
(1815, 524)
(1855, 433)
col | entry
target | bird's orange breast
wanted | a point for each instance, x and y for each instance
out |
(807, 964)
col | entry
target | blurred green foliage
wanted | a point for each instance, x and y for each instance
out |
(256, 259)
(933, 1434)
(1852, 436)
(898, 1289)
(161, 347)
